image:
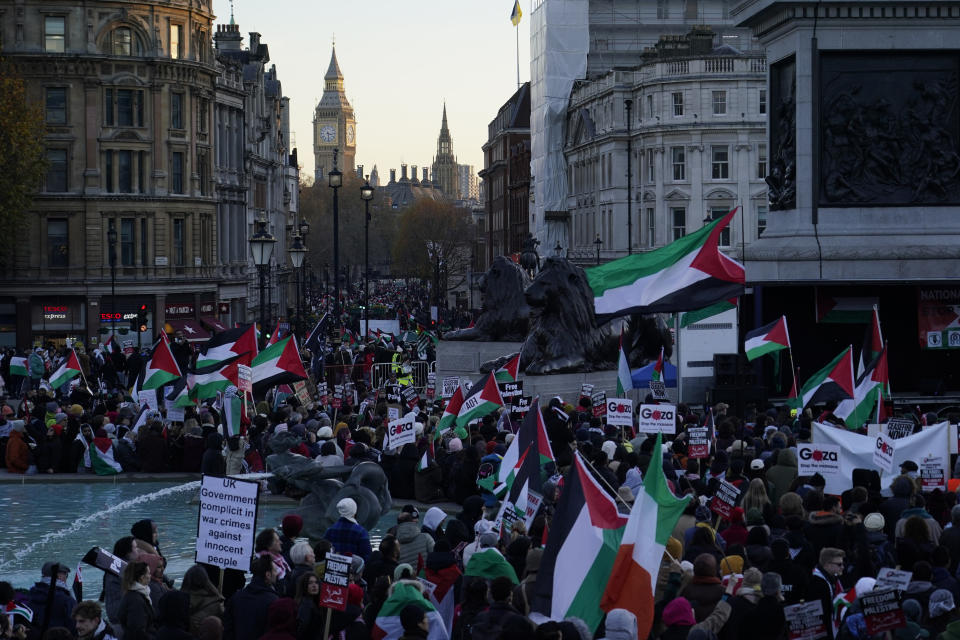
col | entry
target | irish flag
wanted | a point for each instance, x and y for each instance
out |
(510, 371)
(67, 372)
(161, 368)
(624, 381)
(833, 382)
(581, 548)
(403, 593)
(279, 363)
(689, 273)
(449, 418)
(767, 339)
(483, 398)
(868, 395)
(18, 366)
(634, 577)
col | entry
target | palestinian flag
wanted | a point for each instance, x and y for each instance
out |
(692, 317)
(278, 364)
(531, 436)
(657, 374)
(689, 273)
(483, 398)
(229, 343)
(833, 382)
(624, 379)
(634, 577)
(78, 583)
(18, 366)
(68, 371)
(207, 382)
(110, 346)
(581, 549)
(444, 592)
(101, 457)
(843, 309)
(161, 368)
(232, 415)
(179, 395)
(510, 372)
(388, 627)
(275, 336)
(449, 418)
(427, 457)
(868, 396)
(490, 564)
(872, 344)
(767, 339)
(14, 608)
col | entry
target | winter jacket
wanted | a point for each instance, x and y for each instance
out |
(202, 605)
(823, 529)
(136, 616)
(152, 450)
(245, 617)
(782, 474)
(111, 595)
(18, 453)
(932, 525)
(310, 619)
(281, 620)
(413, 543)
(126, 456)
(704, 593)
(173, 614)
(712, 624)
(212, 463)
(902, 488)
(61, 611)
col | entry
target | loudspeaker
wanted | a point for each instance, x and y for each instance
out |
(732, 370)
(738, 397)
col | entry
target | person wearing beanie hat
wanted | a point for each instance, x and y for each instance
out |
(76, 410)
(913, 612)
(346, 535)
(413, 619)
(290, 528)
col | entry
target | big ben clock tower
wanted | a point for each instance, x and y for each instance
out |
(334, 126)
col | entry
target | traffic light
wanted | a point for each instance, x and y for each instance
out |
(142, 319)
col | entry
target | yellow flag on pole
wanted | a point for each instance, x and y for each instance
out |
(516, 14)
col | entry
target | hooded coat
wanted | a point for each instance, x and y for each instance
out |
(413, 542)
(18, 453)
(782, 474)
(173, 615)
(281, 620)
(213, 463)
(621, 625)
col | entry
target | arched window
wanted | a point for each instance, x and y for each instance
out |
(122, 41)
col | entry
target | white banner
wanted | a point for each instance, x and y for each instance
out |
(656, 418)
(620, 412)
(228, 520)
(857, 452)
(883, 453)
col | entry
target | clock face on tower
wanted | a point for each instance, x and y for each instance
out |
(328, 133)
(350, 134)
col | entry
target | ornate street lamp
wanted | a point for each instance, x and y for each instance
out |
(598, 242)
(366, 194)
(335, 181)
(297, 252)
(261, 246)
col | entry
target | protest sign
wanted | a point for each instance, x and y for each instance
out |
(148, 397)
(337, 401)
(599, 401)
(336, 583)
(883, 454)
(533, 505)
(724, 499)
(227, 522)
(894, 578)
(175, 414)
(586, 390)
(521, 405)
(620, 412)
(698, 442)
(657, 418)
(931, 473)
(449, 387)
(510, 389)
(322, 392)
(818, 458)
(393, 413)
(401, 431)
(410, 397)
(431, 390)
(245, 378)
(805, 621)
(658, 389)
(393, 394)
(899, 428)
(302, 393)
(881, 611)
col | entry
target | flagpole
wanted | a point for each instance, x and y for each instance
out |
(517, 29)
(676, 326)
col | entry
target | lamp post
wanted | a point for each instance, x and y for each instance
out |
(629, 104)
(304, 289)
(558, 250)
(366, 194)
(297, 252)
(112, 240)
(597, 243)
(433, 250)
(335, 181)
(261, 246)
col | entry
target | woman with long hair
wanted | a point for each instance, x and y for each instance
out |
(136, 615)
(310, 620)
(205, 599)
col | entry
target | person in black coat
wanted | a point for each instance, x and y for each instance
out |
(135, 614)
(173, 612)
(245, 617)
(60, 612)
(213, 463)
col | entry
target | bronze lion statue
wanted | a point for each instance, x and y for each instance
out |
(503, 315)
(564, 336)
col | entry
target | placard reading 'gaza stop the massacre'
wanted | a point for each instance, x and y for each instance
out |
(818, 458)
(656, 418)
(401, 432)
(620, 412)
(227, 522)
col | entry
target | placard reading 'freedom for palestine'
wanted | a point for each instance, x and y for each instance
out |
(226, 526)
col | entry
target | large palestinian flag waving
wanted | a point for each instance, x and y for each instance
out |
(230, 343)
(207, 382)
(278, 364)
(161, 368)
(68, 371)
(833, 382)
(483, 398)
(767, 339)
(689, 273)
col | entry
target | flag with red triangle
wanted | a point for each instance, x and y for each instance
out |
(483, 398)
(509, 372)
(161, 368)
(278, 364)
(228, 344)
(767, 339)
(449, 418)
(657, 373)
(68, 371)
(833, 382)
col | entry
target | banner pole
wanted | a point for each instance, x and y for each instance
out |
(676, 327)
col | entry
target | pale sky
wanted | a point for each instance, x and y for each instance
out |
(400, 61)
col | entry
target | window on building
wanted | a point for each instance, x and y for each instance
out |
(54, 34)
(125, 171)
(128, 244)
(176, 110)
(123, 107)
(55, 105)
(719, 103)
(761, 219)
(761, 161)
(677, 103)
(763, 101)
(260, 192)
(203, 106)
(678, 216)
(651, 227)
(678, 157)
(142, 171)
(56, 170)
(651, 169)
(663, 9)
(176, 38)
(609, 169)
(122, 41)
(179, 258)
(108, 171)
(176, 172)
(58, 242)
(721, 162)
(650, 112)
(715, 214)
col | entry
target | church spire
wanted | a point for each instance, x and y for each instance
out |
(333, 71)
(443, 125)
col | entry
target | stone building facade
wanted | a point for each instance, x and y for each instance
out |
(444, 169)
